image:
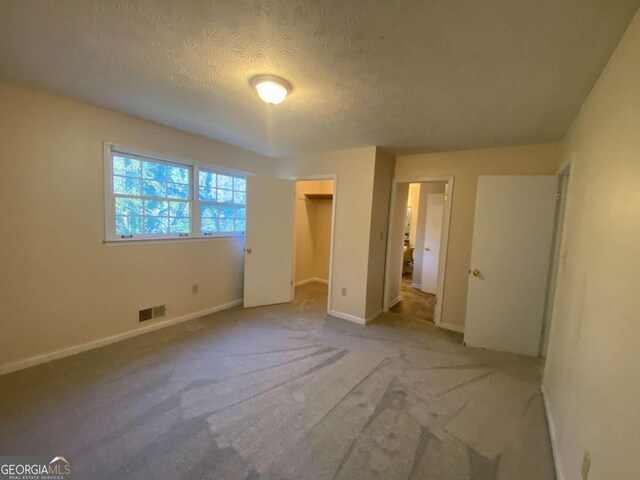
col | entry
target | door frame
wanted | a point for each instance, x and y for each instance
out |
(334, 177)
(557, 265)
(444, 242)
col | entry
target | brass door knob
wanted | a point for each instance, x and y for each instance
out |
(248, 250)
(475, 272)
(427, 249)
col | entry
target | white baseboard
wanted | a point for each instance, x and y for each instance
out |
(371, 318)
(394, 301)
(346, 316)
(310, 280)
(353, 318)
(65, 352)
(552, 435)
(416, 285)
(451, 326)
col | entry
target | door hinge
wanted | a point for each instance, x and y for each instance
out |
(558, 196)
(446, 198)
(542, 329)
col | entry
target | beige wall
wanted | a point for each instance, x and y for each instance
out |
(313, 231)
(466, 166)
(354, 188)
(60, 285)
(384, 168)
(413, 201)
(592, 378)
(425, 189)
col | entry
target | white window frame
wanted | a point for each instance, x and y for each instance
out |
(111, 149)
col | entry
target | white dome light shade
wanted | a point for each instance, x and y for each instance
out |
(271, 89)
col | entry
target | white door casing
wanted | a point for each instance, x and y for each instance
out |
(432, 236)
(269, 239)
(510, 259)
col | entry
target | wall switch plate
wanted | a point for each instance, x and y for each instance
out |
(194, 289)
(586, 464)
(344, 292)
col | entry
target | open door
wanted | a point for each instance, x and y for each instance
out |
(432, 236)
(268, 261)
(510, 261)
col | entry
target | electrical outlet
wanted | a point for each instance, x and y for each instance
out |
(194, 289)
(586, 465)
(344, 292)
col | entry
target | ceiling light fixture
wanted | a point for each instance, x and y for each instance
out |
(271, 89)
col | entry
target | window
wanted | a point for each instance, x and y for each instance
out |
(150, 198)
(222, 202)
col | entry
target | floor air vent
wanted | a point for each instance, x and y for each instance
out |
(149, 313)
(145, 314)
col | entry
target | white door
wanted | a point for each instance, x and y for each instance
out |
(268, 260)
(432, 236)
(510, 260)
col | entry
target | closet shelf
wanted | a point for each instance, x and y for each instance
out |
(318, 196)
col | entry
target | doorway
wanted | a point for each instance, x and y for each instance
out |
(417, 245)
(314, 214)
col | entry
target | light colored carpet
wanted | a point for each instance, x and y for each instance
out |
(284, 392)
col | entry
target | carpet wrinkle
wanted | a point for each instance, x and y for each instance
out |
(201, 383)
(472, 380)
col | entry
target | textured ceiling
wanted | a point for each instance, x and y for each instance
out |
(428, 75)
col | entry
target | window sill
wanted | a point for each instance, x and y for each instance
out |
(142, 241)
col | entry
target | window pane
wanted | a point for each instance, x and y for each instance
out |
(225, 181)
(179, 225)
(179, 209)
(208, 211)
(207, 194)
(226, 225)
(209, 225)
(240, 224)
(142, 189)
(207, 179)
(154, 225)
(225, 196)
(127, 167)
(128, 225)
(177, 190)
(177, 174)
(239, 184)
(126, 185)
(154, 171)
(153, 188)
(240, 212)
(239, 198)
(156, 208)
(226, 212)
(128, 206)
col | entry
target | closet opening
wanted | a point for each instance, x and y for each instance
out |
(314, 218)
